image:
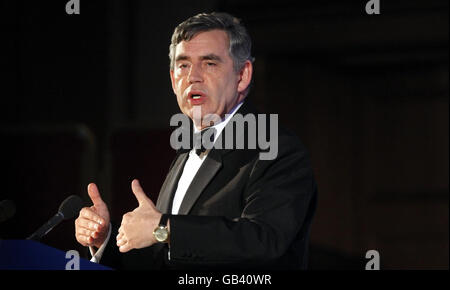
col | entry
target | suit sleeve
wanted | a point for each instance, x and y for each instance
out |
(276, 198)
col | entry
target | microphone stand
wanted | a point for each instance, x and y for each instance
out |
(45, 228)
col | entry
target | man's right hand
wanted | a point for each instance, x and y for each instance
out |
(92, 225)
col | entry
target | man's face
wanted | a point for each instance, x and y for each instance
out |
(203, 75)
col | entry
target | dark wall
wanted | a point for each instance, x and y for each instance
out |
(367, 94)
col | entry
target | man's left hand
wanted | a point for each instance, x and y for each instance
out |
(136, 230)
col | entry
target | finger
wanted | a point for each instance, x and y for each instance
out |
(85, 240)
(124, 248)
(94, 194)
(82, 239)
(90, 241)
(119, 236)
(88, 233)
(89, 214)
(85, 232)
(88, 224)
(139, 192)
(121, 242)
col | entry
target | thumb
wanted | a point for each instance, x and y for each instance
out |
(94, 194)
(139, 192)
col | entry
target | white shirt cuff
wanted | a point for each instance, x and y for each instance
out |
(96, 256)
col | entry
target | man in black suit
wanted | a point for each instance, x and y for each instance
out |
(218, 208)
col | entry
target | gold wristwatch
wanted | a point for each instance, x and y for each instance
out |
(161, 233)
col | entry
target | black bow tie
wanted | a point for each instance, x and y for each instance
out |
(198, 137)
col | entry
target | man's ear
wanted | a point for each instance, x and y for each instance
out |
(245, 76)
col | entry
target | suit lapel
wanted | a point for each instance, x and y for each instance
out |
(205, 174)
(169, 186)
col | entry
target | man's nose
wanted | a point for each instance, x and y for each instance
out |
(195, 74)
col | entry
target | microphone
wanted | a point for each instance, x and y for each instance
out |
(68, 209)
(7, 210)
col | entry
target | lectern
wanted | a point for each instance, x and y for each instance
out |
(32, 255)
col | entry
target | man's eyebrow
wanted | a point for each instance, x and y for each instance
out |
(211, 56)
(182, 57)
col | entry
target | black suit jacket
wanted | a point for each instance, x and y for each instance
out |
(239, 212)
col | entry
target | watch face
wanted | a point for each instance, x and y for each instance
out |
(161, 234)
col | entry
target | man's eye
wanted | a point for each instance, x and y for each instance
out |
(183, 65)
(211, 64)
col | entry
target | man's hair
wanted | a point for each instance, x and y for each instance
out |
(240, 43)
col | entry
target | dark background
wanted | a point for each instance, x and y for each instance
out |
(87, 98)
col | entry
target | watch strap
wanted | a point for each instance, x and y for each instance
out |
(163, 220)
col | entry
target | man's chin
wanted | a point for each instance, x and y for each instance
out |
(206, 119)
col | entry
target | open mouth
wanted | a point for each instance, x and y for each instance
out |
(196, 95)
(196, 98)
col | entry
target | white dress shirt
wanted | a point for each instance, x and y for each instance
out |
(194, 162)
(189, 171)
